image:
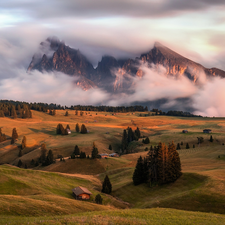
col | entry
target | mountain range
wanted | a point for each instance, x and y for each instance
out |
(111, 74)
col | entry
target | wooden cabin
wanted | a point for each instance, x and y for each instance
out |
(114, 154)
(207, 131)
(81, 193)
(103, 155)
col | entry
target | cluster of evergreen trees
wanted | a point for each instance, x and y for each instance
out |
(78, 154)
(14, 111)
(52, 112)
(162, 165)
(64, 131)
(46, 159)
(128, 136)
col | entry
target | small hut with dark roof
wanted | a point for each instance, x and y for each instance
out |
(81, 193)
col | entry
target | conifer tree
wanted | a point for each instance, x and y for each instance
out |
(137, 133)
(162, 163)
(77, 128)
(67, 126)
(2, 113)
(24, 142)
(98, 199)
(43, 153)
(193, 146)
(20, 153)
(19, 163)
(83, 129)
(82, 155)
(94, 153)
(67, 113)
(14, 134)
(13, 112)
(138, 172)
(178, 146)
(124, 141)
(211, 138)
(106, 185)
(175, 165)
(76, 151)
(110, 147)
(49, 159)
(187, 146)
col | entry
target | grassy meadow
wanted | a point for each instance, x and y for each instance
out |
(44, 193)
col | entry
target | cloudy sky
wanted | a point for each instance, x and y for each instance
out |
(121, 28)
(117, 27)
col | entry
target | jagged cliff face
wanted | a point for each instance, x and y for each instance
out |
(111, 74)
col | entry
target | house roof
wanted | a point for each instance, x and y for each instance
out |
(81, 190)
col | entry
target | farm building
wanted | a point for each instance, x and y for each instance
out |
(114, 155)
(104, 155)
(207, 131)
(81, 193)
(68, 131)
(184, 131)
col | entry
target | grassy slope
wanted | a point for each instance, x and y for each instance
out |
(201, 188)
(29, 192)
(129, 216)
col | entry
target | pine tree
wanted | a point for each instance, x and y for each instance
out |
(178, 146)
(67, 113)
(60, 129)
(187, 146)
(162, 163)
(25, 167)
(24, 142)
(98, 199)
(94, 153)
(49, 159)
(137, 133)
(138, 172)
(124, 141)
(110, 147)
(106, 185)
(83, 129)
(181, 143)
(20, 153)
(193, 146)
(211, 138)
(77, 128)
(13, 112)
(43, 153)
(14, 134)
(175, 165)
(68, 127)
(82, 155)
(76, 151)
(2, 113)
(19, 163)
